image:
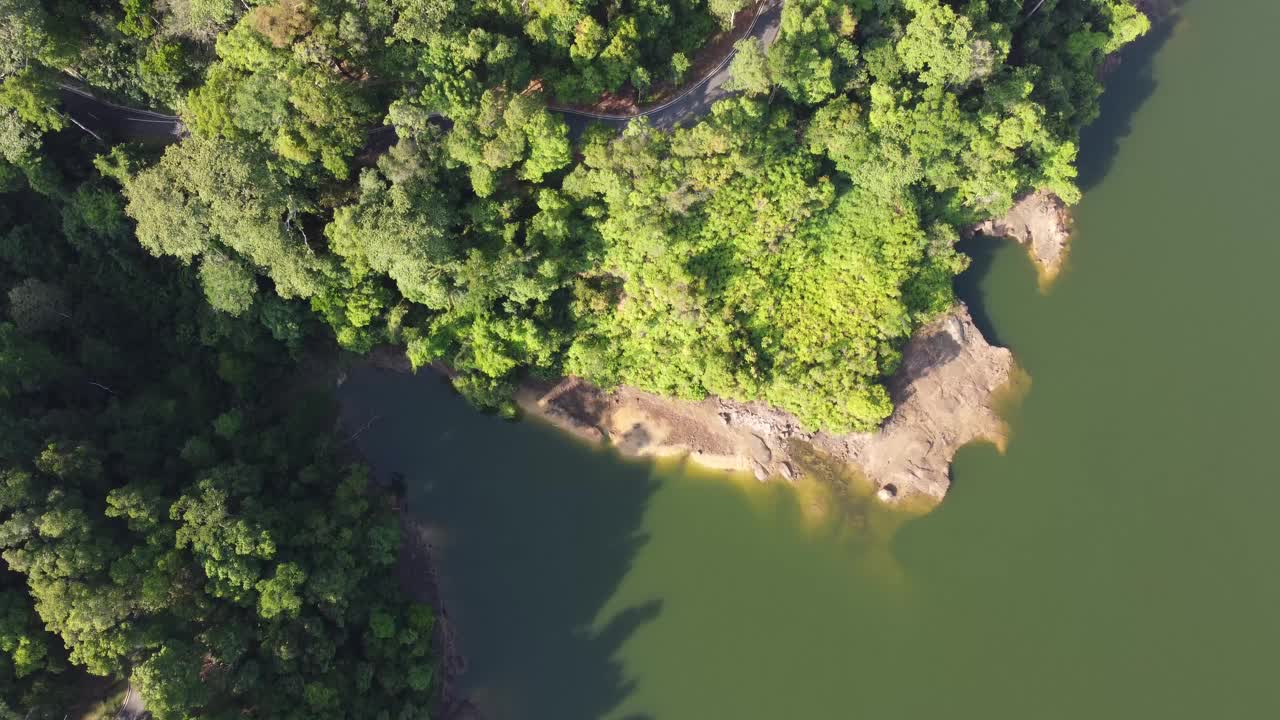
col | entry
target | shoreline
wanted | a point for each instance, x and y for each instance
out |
(1041, 223)
(417, 568)
(945, 396)
(947, 393)
(419, 576)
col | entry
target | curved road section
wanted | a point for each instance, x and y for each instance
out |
(695, 100)
(99, 117)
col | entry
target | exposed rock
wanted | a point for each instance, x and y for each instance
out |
(761, 472)
(787, 471)
(943, 395)
(1041, 222)
(943, 398)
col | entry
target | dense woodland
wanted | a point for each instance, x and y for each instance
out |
(176, 505)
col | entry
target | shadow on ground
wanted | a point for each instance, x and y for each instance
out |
(533, 534)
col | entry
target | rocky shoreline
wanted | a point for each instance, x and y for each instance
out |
(419, 577)
(945, 396)
(417, 570)
(1041, 223)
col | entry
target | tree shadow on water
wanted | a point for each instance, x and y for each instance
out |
(533, 534)
(982, 251)
(1128, 83)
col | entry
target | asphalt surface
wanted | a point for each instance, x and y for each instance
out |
(105, 120)
(694, 101)
(132, 708)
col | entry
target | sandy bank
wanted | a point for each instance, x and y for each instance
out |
(944, 396)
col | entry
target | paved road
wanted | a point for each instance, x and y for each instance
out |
(104, 119)
(132, 708)
(697, 99)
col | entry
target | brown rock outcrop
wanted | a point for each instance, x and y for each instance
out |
(944, 397)
(1040, 222)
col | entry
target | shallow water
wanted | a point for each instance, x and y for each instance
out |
(1117, 562)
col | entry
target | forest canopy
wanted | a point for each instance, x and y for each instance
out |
(175, 507)
(783, 247)
(404, 172)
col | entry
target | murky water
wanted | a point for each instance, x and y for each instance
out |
(1117, 562)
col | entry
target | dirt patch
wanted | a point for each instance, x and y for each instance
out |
(1041, 223)
(945, 396)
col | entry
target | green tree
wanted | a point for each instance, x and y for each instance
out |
(508, 132)
(211, 194)
(169, 680)
(137, 20)
(749, 69)
(228, 285)
(33, 98)
(725, 10)
(35, 305)
(679, 67)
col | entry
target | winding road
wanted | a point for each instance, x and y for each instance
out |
(104, 119)
(696, 99)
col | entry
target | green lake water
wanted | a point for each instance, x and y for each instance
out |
(1119, 561)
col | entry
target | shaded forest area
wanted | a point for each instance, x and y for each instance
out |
(176, 505)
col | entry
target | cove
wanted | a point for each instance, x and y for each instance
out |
(1116, 562)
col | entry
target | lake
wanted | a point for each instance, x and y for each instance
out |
(1118, 561)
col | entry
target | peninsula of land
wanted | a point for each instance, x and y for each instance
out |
(945, 396)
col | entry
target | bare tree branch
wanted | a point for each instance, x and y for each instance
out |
(288, 223)
(104, 387)
(95, 135)
(366, 426)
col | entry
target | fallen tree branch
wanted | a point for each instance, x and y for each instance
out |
(104, 387)
(95, 135)
(366, 426)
